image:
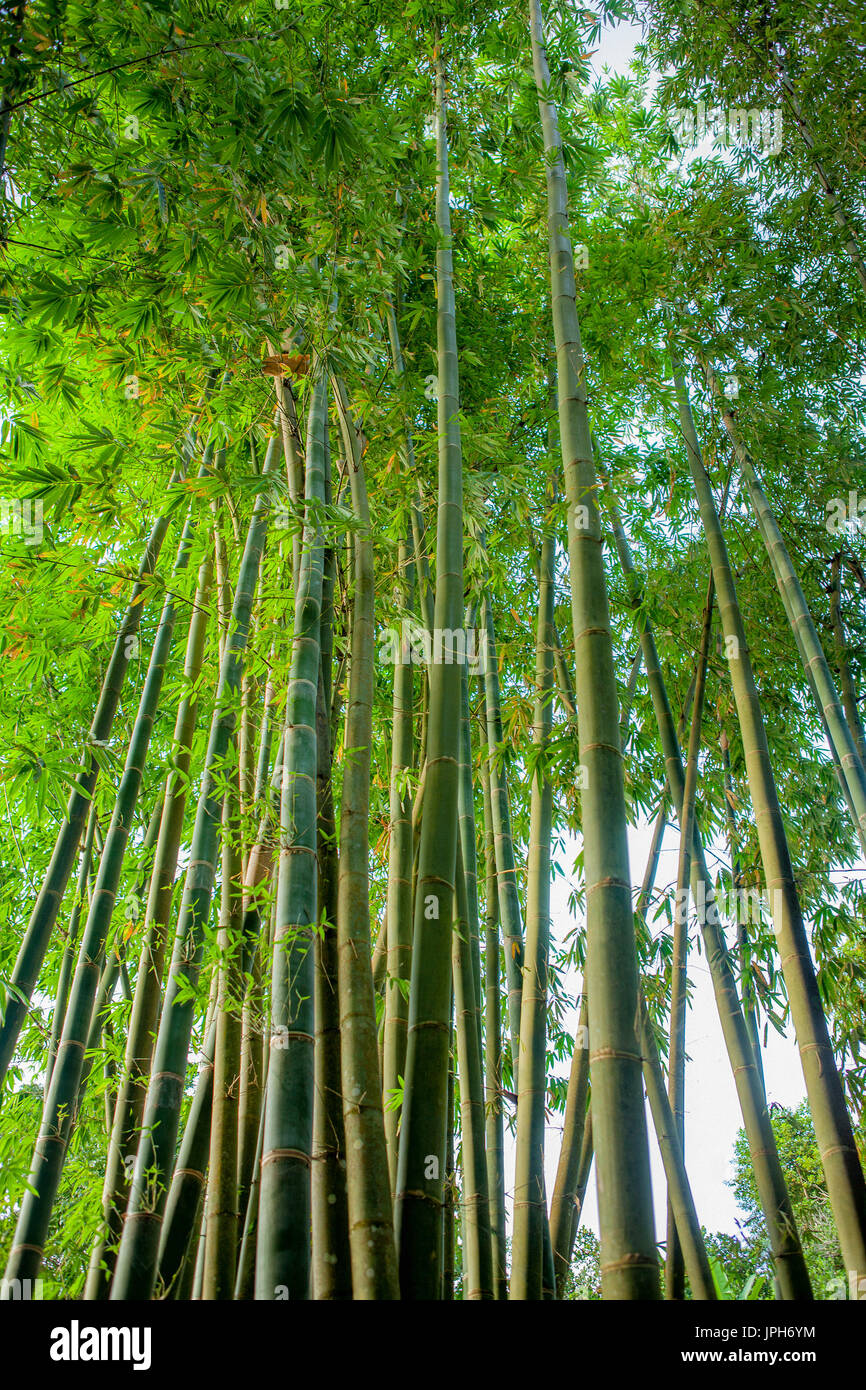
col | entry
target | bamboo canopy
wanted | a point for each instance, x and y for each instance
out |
(432, 494)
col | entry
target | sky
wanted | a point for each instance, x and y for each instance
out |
(615, 48)
(712, 1111)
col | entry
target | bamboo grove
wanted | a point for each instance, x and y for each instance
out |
(424, 464)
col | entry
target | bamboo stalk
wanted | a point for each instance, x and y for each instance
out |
(293, 454)
(201, 1247)
(840, 1161)
(747, 990)
(184, 1204)
(283, 1251)
(674, 1267)
(850, 702)
(503, 842)
(682, 1206)
(399, 903)
(418, 1208)
(145, 1006)
(332, 1273)
(221, 1229)
(562, 1222)
(467, 836)
(475, 1207)
(371, 1229)
(583, 1171)
(38, 932)
(254, 1043)
(628, 1254)
(139, 1247)
(494, 1136)
(530, 1211)
(842, 732)
(250, 1085)
(784, 1239)
(245, 1278)
(421, 565)
(449, 1197)
(63, 979)
(65, 1090)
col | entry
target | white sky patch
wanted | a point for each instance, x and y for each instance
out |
(712, 1110)
(615, 49)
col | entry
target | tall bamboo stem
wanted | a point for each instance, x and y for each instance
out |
(845, 1185)
(530, 1211)
(475, 1207)
(145, 1005)
(628, 1255)
(494, 1136)
(421, 1162)
(139, 1246)
(781, 1226)
(58, 1112)
(371, 1228)
(38, 932)
(221, 1235)
(842, 732)
(850, 702)
(674, 1268)
(283, 1251)
(332, 1273)
(399, 905)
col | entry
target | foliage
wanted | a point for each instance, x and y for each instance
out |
(190, 190)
